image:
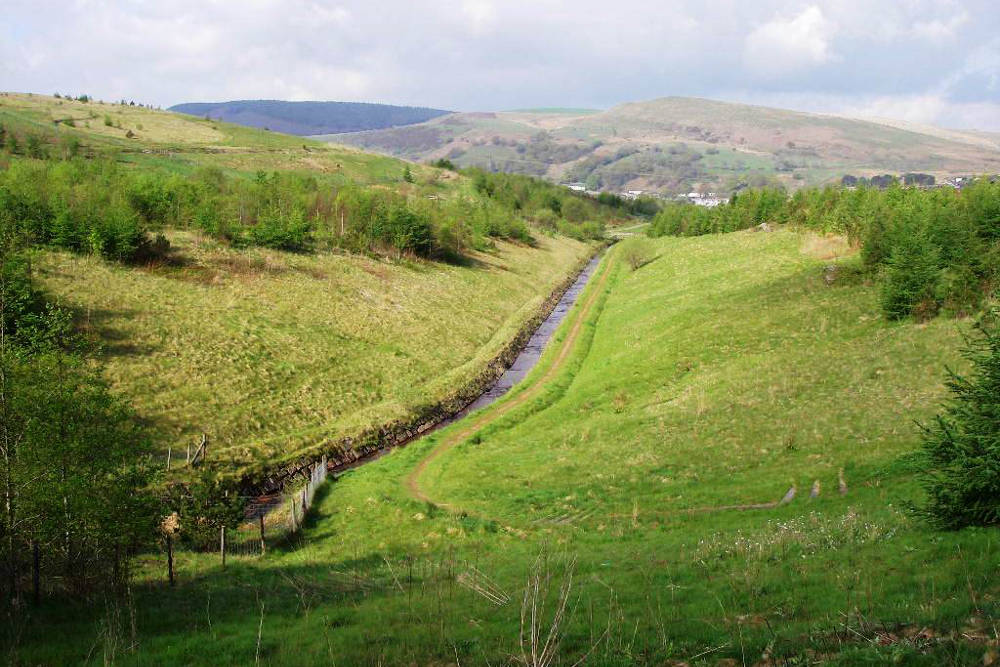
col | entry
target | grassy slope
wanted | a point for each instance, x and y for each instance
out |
(719, 374)
(824, 147)
(181, 143)
(271, 353)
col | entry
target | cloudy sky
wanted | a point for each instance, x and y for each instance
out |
(933, 61)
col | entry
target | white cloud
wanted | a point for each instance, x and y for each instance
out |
(479, 13)
(495, 54)
(788, 45)
(940, 30)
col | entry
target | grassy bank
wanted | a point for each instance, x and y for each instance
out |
(274, 354)
(712, 379)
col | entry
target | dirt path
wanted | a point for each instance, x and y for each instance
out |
(478, 421)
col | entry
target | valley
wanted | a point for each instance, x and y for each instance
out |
(620, 488)
(742, 441)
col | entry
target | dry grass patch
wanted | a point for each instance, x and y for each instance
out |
(826, 246)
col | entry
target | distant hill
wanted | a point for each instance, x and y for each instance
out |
(310, 118)
(678, 144)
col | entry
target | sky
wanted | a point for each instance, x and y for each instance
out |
(934, 62)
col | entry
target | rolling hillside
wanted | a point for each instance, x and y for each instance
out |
(276, 355)
(309, 118)
(181, 143)
(674, 145)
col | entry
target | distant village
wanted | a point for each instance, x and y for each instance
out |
(712, 199)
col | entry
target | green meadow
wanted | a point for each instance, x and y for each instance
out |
(622, 505)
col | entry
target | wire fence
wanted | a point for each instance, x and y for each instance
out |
(272, 519)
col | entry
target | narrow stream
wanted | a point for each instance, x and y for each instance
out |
(532, 352)
(525, 361)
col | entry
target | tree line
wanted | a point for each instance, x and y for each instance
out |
(100, 205)
(73, 465)
(554, 207)
(930, 251)
(114, 211)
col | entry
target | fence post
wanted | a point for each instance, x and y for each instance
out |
(170, 559)
(262, 545)
(222, 546)
(168, 457)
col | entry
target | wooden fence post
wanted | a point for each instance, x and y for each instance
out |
(168, 457)
(222, 546)
(170, 559)
(263, 547)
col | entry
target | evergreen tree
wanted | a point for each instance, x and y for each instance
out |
(962, 447)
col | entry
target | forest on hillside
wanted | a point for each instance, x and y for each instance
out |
(309, 118)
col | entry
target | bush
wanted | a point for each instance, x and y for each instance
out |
(911, 277)
(282, 231)
(962, 448)
(117, 234)
(444, 163)
(637, 252)
(407, 230)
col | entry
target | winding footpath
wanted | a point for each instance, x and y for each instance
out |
(480, 420)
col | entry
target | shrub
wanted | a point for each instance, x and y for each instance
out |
(406, 230)
(962, 447)
(444, 163)
(911, 277)
(117, 234)
(11, 144)
(282, 231)
(637, 252)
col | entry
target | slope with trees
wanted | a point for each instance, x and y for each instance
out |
(309, 118)
(676, 145)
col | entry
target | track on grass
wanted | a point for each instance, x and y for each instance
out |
(479, 421)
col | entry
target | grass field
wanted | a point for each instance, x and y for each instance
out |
(623, 472)
(275, 354)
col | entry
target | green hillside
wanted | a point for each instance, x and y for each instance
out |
(279, 356)
(675, 145)
(639, 470)
(282, 296)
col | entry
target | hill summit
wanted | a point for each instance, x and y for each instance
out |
(677, 144)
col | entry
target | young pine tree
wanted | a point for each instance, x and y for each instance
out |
(962, 448)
